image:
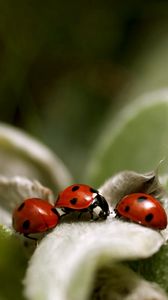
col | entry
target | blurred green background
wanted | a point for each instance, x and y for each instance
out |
(67, 66)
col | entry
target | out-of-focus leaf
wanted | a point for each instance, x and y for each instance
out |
(136, 139)
(130, 287)
(72, 131)
(151, 66)
(5, 217)
(21, 155)
(155, 268)
(12, 266)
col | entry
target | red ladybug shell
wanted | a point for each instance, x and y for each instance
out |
(143, 209)
(76, 196)
(34, 215)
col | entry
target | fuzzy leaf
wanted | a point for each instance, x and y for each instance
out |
(76, 251)
(22, 155)
(136, 139)
(127, 182)
(71, 254)
(15, 189)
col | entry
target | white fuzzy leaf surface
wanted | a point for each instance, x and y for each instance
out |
(127, 182)
(66, 262)
(16, 189)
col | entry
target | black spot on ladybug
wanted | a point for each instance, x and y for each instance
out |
(75, 188)
(21, 206)
(26, 224)
(93, 190)
(127, 208)
(73, 200)
(142, 198)
(53, 209)
(149, 217)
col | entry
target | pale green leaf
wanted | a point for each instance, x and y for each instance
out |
(22, 155)
(13, 264)
(135, 139)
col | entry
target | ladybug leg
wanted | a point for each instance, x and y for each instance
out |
(63, 215)
(91, 215)
(117, 214)
(80, 214)
(64, 212)
(92, 218)
(30, 237)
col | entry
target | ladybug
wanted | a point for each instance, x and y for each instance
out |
(143, 209)
(82, 198)
(34, 215)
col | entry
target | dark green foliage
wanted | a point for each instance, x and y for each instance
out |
(12, 267)
(155, 268)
